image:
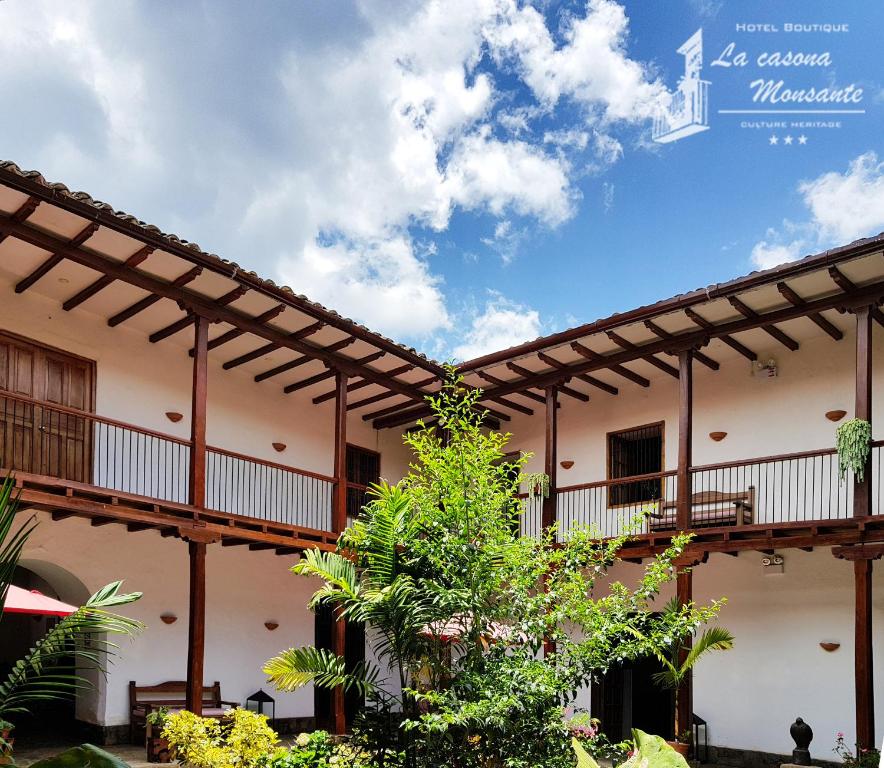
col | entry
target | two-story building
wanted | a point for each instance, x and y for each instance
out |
(179, 422)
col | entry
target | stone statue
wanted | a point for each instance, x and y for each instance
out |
(802, 734)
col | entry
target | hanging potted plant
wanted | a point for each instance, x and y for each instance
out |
(157, 746)
(537, 484)
(853, 439)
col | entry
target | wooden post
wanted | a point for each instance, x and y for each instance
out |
(685, 434)
(548, 514)
(339, 523)
(196, 632)
(196, 486)
(862, 492)
(684, 590)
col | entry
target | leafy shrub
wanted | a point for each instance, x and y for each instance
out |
(242, 739)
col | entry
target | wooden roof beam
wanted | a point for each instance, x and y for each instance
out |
(303, 360)
(564, 389)
(793, 298)
(104, 281)
(591, 380)
(56, 258)
(698, 356)
(355, 385)
(235, 333)
(727, 339)
(289, 388)
(184, 322)
(513, 405)
(787, 341)
(302, 333)
(526, 393)
(405, 417)
(386, 396)
(847, 285)
(595, 357)
(23, 212)
(624, 344)
(149, 301)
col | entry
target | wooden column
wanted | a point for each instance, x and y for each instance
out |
(196, 629)
(685, 437)
(548, 514)
(862, 556)
(339, 523)
(862, 492)
(196, 485)
(684, 590)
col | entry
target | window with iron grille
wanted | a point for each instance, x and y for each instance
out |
(632, 452)
(363, 469)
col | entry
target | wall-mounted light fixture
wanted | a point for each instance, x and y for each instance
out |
(271, 625)
(829, 646)
(566, 464)
(174, 416)
(717, 436)
(766, 368)
(279, 447)
(773, 564)
(835, 415)
(168, 618)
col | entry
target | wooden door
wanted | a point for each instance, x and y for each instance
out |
(40, 439)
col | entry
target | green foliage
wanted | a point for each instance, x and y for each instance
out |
(461, 607)
(156, 718)
(853, 440)
(58, 664)
(647, 752)
(861, 758)
(537, 484)
(84, 756)
(242, 739)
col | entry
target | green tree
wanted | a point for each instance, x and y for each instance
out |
(462, 607)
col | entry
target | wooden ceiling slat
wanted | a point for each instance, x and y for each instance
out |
(325, 375)
(387, 395)
(56, 258)
(846, 285)
(356, 385)
(303, 360)
(518, 407)
(272, 346)
(526, 393)
(698, 356)
(737, 346)
(235, 333)
(776, 333)
(23, 212)
(563, 388)
(617, 368)
(793, 298)
(624, 344)
(148, 301)
(404, 417)
(104, 281)
(184, 322)
(591, 380)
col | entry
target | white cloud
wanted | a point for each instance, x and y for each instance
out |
(501, 324)
(842, 206)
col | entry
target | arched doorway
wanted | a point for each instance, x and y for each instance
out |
(49, 722)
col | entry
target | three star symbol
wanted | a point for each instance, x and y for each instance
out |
(787, 140)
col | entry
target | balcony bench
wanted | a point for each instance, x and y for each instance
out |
(170, 694)
(709, 509)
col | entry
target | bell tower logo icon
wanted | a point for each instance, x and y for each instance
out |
(688, 110)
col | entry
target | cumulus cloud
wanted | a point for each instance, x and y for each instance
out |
(501, 324)
(842, 206)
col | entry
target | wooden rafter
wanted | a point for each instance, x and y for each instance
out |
(303, 360)
(405, 417)
(266, 349)
(184, 322)
(706, 325)
(104, 281)
(525, 393)
(518, 407)
(771, 329)
(329, 374)
(591, 380)
(616, 367)
(148, 301)
(847, 285)
(624, 344)
(564, 389)
(235, 333)
(386, 396)
(698, 356)
(57, 257)
(793, 298)
(355, 385)
(23, 212)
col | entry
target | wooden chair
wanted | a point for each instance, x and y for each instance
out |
(709, 509)
(172, 695)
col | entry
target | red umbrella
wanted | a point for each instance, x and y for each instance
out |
(20, 600)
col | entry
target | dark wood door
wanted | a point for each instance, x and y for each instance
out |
(40, 439)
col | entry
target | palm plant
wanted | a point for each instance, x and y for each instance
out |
(58, 664)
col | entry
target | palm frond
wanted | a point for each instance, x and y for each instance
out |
(296, 667)
(713, 639)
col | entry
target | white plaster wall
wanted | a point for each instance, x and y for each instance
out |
(243, 590)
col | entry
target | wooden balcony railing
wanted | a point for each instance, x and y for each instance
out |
(43, 438)
(772, 490)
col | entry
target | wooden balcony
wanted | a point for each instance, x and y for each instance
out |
(74, 462)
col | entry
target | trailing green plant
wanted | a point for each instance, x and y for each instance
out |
(537, 484)
(466, 613)
(648, 751)
(853, 440)
(58, 665)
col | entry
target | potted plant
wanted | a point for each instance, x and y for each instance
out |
(6, 742)
(157, 746)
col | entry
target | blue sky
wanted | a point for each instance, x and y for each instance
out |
(461, 176)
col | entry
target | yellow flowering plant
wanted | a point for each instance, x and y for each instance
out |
(242, 739)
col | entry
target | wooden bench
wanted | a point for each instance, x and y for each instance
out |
(709, 509)
(171, 694)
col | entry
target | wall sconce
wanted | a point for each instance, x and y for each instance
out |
(271, 625)
(168, 618)
(773, 564)
(174, 416)
(835, 415)
(717, 436)
(768, 367)
(829, 647)
(566, 464)
(279, 447)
